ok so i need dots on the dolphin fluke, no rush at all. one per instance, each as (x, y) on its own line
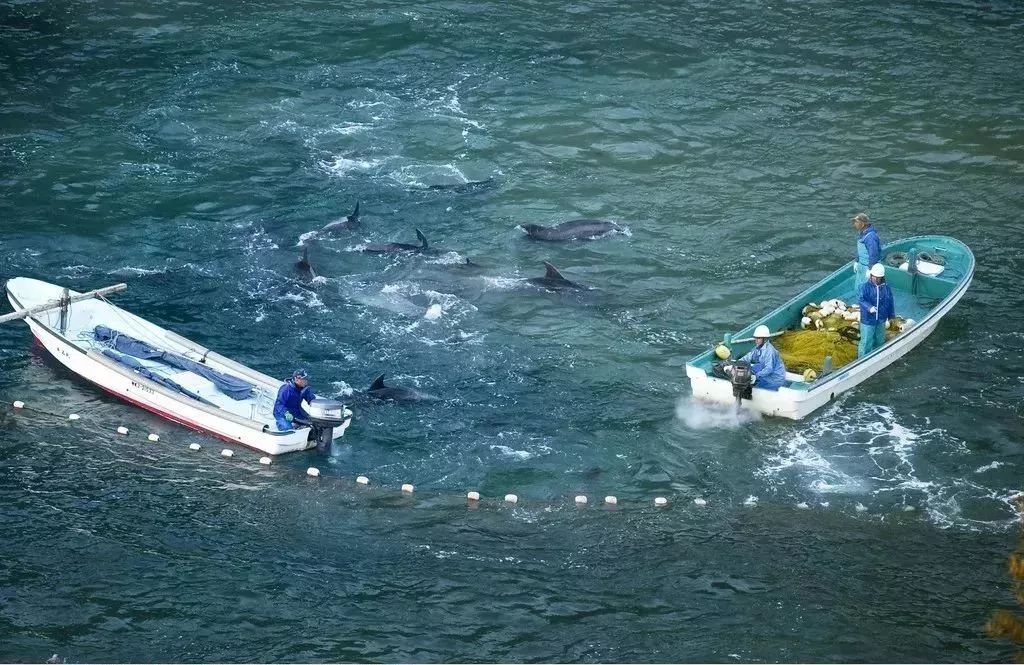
(422, 238)
(378, 383)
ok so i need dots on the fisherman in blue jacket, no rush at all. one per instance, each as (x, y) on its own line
(876, 308)
(289, 400)
(765, 361)
(869, 248)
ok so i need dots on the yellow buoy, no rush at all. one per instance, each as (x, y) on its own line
(723, 352)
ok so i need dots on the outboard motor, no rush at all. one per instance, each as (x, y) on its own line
(324, 416)
(742, 381)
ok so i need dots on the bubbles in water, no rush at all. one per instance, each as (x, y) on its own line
(700, 415)
(865, 451)
(341, 165)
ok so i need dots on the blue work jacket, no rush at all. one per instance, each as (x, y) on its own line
(767, 366)
(289, 400)
(880, 297)
(869, 247)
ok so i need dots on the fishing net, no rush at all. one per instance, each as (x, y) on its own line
(830, 329)
(806, 349)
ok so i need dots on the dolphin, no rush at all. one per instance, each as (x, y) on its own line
(303, 267)
(346, 223)
(378, 390)
(553, 279)
(576, 229)
(393, 247)
(468, 186)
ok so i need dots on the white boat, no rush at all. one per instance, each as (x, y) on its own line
(944, 270)
(189, 398)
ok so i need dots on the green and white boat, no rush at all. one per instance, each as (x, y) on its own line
(943, 268)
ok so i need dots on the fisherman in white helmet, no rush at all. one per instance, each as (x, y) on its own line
(765, 361)
(876, 308)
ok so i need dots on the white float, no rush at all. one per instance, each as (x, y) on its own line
(265, 461)
(363, 480)
(581, 500)
(473, 496)
(313, 471)
(407, 487)
(18, 404)
(154, 437)
(700, 502)
(511, 498)
(611, 500)
(74, 416)
(660, 501)
(226, 453)
(194, 446)
(122, 430)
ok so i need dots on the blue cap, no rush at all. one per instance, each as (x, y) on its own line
(300, 374)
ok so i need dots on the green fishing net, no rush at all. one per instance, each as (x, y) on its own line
(806, 349)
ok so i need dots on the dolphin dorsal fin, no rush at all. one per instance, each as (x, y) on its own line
(423, 238)
(355, 213)
(378, 383)
(305, 255)
(552, 272)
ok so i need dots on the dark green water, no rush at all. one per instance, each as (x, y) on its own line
(186, 147)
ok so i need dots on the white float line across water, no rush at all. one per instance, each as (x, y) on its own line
(473, 497)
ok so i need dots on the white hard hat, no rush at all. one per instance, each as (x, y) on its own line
(762, 332)
(878, 270)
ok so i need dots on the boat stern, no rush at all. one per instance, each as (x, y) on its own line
(782, 403)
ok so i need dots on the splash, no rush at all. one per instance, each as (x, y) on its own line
(700, 415)
(308, 235)
(451, 258)
(342, 165)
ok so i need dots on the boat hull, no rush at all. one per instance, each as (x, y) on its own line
(798, 404)
(799, 399)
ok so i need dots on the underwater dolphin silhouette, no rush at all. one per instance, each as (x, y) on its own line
(469, 185)
(576, 229)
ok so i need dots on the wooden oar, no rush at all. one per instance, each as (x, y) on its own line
(61, 302)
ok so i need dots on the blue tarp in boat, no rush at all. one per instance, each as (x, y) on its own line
(142, 370)
(232, 386)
